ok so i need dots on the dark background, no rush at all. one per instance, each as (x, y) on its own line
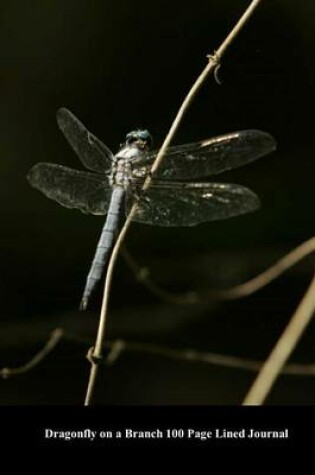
(119, 65)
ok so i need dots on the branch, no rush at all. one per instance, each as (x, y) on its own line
(142, 274)
(52, 342)
(117, 347)
(283, 349)
(191, 355)
(213, 62)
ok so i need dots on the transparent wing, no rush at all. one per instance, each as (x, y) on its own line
(92, 152)
(188, 204)
(209, 157)
(85, 191)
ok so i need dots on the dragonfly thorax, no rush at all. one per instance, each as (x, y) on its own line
(121, 172)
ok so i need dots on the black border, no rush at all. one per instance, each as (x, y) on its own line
(26, 426)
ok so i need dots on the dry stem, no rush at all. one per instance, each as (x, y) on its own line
(50, 345)
(212, 65)
(118, 347)
(283, 349)
(239, 291)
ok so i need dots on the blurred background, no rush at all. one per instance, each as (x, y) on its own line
(119, 65)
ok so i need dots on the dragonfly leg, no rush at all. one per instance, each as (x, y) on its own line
(83, 304)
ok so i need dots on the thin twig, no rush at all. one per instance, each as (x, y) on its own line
(117, 347)
(192, 355)
(51, 344)
(142, 274)
(283, 349)
(213, 62)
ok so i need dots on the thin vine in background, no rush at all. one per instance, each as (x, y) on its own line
(290, 337)
(95, 354)
(283, 349)
(50, 345)
(193, 297)
(117, 348)
(270, 370)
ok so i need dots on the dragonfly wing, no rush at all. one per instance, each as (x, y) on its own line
(92, 152)
(71, 188)
(188, 204)
(209, 157)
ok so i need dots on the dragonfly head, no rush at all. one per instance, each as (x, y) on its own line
(140, 138)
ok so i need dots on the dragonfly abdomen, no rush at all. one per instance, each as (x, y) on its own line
(104, 244)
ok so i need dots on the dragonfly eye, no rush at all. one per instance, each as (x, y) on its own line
(130, 138)
(143, 137)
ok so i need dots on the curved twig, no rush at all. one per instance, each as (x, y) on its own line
(192, 355)
(117, 347)
(142, 274)
(212, 64)
(50, 345)
(283, 349)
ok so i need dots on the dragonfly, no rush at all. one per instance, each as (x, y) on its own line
(114, 182)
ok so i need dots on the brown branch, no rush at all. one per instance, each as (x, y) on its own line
(283, 349)
(213, 62)
(191, 355)
(142, 274)
(117, 347)
(50, 345)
